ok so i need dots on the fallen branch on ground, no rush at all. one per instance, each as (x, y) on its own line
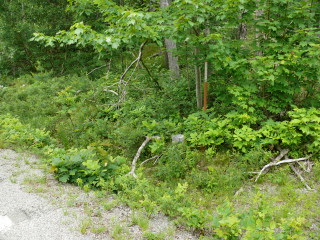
(282, 153)
(136, 157)
(300, 177)
(307, 166)
(280, 162)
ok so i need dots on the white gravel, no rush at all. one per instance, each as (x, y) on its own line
(34, 206)
(33, 217)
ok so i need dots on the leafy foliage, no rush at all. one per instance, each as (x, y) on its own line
(13, 132)
(300, 130)
(82, 166)
(73, 80)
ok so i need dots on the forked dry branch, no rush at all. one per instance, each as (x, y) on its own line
(276, 162)
(136, 157)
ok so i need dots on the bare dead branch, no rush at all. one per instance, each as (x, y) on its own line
(122, 84)
(280, 162)
(109, 90)
(136, 157)
(97, 68)
(300, 177)
(306, 166)
(156, 157)
(136, 60)
(283, 152)
(156, 54)
(109, 68)
(143, 65)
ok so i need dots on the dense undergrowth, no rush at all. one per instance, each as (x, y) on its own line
(205, 183)
(84, 89)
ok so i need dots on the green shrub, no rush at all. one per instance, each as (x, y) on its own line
(175, 163)
(13, 132)
(255, 224)
(301, 134)
(82, 166)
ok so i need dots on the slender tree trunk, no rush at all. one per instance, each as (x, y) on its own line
(198, 82)
(258, 13)
(242, 28)
(205, 87)
(242, 31)
(171, 46)
(198, 87)
(187, 67)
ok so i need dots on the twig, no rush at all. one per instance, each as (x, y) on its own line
(299, 175)
(282, 153)
(307, 167)
(149, 159)
(97, 68)
(109, 68)
(150, 75)
(109, 90)
(112, 85)
(157, 159)
(280, 162)
(136, 60)
(142, 64)
(136, 157)
(122, 83)
(156, 54)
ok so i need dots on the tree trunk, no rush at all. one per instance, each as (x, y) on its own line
(205, 87)
(258, 13)
(242, 31)
(198, 82)
(170, 47)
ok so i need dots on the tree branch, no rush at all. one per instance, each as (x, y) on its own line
(122, 84)
(136, 60)
(280, 162)
(136, 157)
(97, 68)
(299, 175)
(156, 157)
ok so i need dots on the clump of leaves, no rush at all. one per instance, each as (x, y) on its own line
(12, 131)
(82, 166)
(257, 223)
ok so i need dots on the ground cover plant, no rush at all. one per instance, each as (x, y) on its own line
(248, 167)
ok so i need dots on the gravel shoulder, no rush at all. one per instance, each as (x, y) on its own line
(34, 206)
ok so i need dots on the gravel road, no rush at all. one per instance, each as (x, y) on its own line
(34, 206)
(25, 215)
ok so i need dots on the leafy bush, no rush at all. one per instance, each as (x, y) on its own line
(175, 163)
(70, 107)
(255, 224)
(300, 134)
(82, 166)
(12, 131)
